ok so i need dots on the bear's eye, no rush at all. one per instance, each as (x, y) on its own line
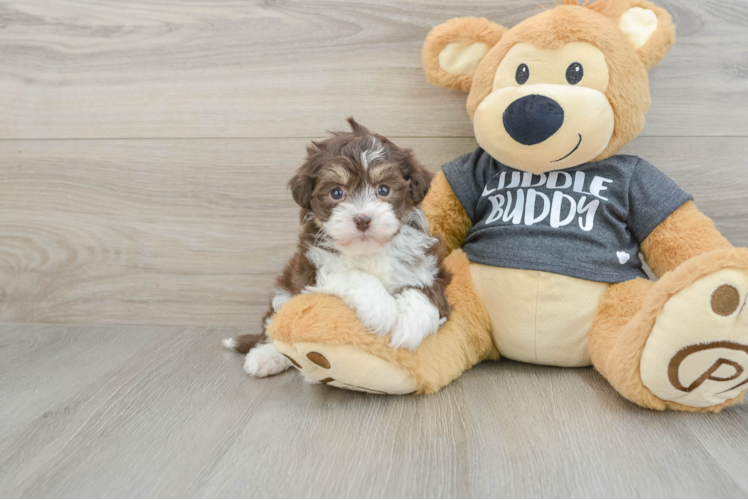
(574, 73)
(337, 194)
(383, 191)
(523, 73)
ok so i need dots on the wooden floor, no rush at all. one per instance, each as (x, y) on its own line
(130, 411)
(144, 151)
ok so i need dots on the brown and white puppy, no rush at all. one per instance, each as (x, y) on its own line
(364, 239)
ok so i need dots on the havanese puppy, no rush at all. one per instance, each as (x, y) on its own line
(365, 239)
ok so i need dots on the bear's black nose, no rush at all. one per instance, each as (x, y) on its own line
(532, 119)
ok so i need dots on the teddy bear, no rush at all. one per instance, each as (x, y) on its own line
(546, 223)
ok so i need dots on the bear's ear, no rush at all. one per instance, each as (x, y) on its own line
(649, 28)
(453, 50)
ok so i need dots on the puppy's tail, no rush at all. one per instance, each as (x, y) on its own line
(243, 343)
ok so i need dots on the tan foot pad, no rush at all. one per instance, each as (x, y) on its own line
(697, 353)
(347, 368)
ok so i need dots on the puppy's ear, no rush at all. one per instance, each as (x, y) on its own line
(420, 180)
(302, 187)
(303, 182)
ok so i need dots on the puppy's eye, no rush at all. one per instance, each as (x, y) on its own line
(383, 191)
(337, 194)
(523, 73)
(574, 73)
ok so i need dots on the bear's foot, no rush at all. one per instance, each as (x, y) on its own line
(325, 340)
(697, 352)
(346, 367)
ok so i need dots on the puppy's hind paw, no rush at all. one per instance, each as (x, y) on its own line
(264, 360)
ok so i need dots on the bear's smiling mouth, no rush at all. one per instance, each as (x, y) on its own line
(572, 151)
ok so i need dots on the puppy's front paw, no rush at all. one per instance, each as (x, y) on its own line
(264, 360)
(378, 315)
(417, 317)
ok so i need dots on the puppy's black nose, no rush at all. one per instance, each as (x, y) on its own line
(362, 222)
(532, 119)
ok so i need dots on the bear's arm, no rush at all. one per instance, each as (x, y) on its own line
(686, 233)
(445, 214)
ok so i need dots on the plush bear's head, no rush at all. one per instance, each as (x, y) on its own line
(564, 87)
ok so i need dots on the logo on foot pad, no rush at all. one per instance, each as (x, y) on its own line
(711, 373)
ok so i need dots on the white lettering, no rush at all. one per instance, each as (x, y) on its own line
(502, 178)
(590, 208)
(527, 180)
(553, 180)
(558, 201)
(516, 214)
(530, 218)
(497, 209)
(515, 180)
(579, 182)
(524, 193)
(487, 191)
(597, 185)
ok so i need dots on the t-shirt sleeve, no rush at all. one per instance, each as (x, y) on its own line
(466, 176)
(652, 198)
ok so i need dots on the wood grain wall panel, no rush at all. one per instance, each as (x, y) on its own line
(193, 232)
(158, 68)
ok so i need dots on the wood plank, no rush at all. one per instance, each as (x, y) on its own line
(565, 433)
(166, 412)
(175, 232)
(156, 68)
(43, 366)
(182, 419)
(153, 232)
(722, 437)
(127, 423)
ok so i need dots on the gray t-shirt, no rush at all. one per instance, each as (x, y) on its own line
(586, 222)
